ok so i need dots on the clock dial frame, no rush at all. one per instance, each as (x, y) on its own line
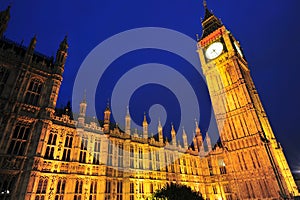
(214, 50)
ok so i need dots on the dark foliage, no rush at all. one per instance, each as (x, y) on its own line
(174, 191)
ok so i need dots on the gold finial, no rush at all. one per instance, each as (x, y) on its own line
(145, 118)
(196, 122)
(159, 123)
(205, 4)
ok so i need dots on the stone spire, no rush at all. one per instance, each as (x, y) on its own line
(184, 138)
(32, 45)
(4, 19)
(160, 132)
(61, 56)
(107, 113)
(173, 135)
(208, 142)
(127, 121)
(210, 22)
(30, 50)
(199, 138)
(145, 127)
(205, 4)
(197, 129)
(82, 110)
(195, 143)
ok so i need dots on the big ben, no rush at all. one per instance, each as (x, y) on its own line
(255, 157)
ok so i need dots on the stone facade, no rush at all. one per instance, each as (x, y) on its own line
(45, 154)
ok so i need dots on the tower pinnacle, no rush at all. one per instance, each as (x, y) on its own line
(127, 121)
(84, 97)
(145, 127)
(205, 4)
(4, 19)
(210, 22)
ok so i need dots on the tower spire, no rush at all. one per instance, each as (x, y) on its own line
(127, 121)
(205, 4)
(145, 127)
(145, 118)
(106, 118)
(160, 131)
(4, 19)
(82, 111)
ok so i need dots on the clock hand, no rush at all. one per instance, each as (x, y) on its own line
(215, 51)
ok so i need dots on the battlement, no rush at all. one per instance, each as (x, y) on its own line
(19, 51)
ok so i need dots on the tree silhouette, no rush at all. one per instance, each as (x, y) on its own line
(175, 191)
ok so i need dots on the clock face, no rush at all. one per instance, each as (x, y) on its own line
(214, 50)
(238, 49)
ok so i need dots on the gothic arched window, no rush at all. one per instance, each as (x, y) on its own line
(33, 92)
(60, 189)
(17, 145)
(41, 189)
(78, 190)
(93, 190)
(67, 149)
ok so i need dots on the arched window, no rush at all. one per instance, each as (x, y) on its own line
(17, 145)
(93, 190)
(108, 190)
(119, 190)
(67, 149)
(49, 154)
(54, 140)
(132, 157)
(83, 150)
(50, 138)
(33, 92)
(78, 190)
(60, 189)
(41, 189)
(97, 147)
(67, 142)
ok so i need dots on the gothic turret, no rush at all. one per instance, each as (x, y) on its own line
(173, 135)
(195, 143)
(145, 127)
(127, 122)
(82, 111)
(160, 132)
(184, 138)
(107, 113)
(30, 50)
(32, 45)
(208, 142)
(199, 138)
(4, 19)
(61, 56)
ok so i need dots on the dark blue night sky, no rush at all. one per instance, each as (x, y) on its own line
(267, 30)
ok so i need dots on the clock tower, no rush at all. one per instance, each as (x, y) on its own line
(255, 158)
